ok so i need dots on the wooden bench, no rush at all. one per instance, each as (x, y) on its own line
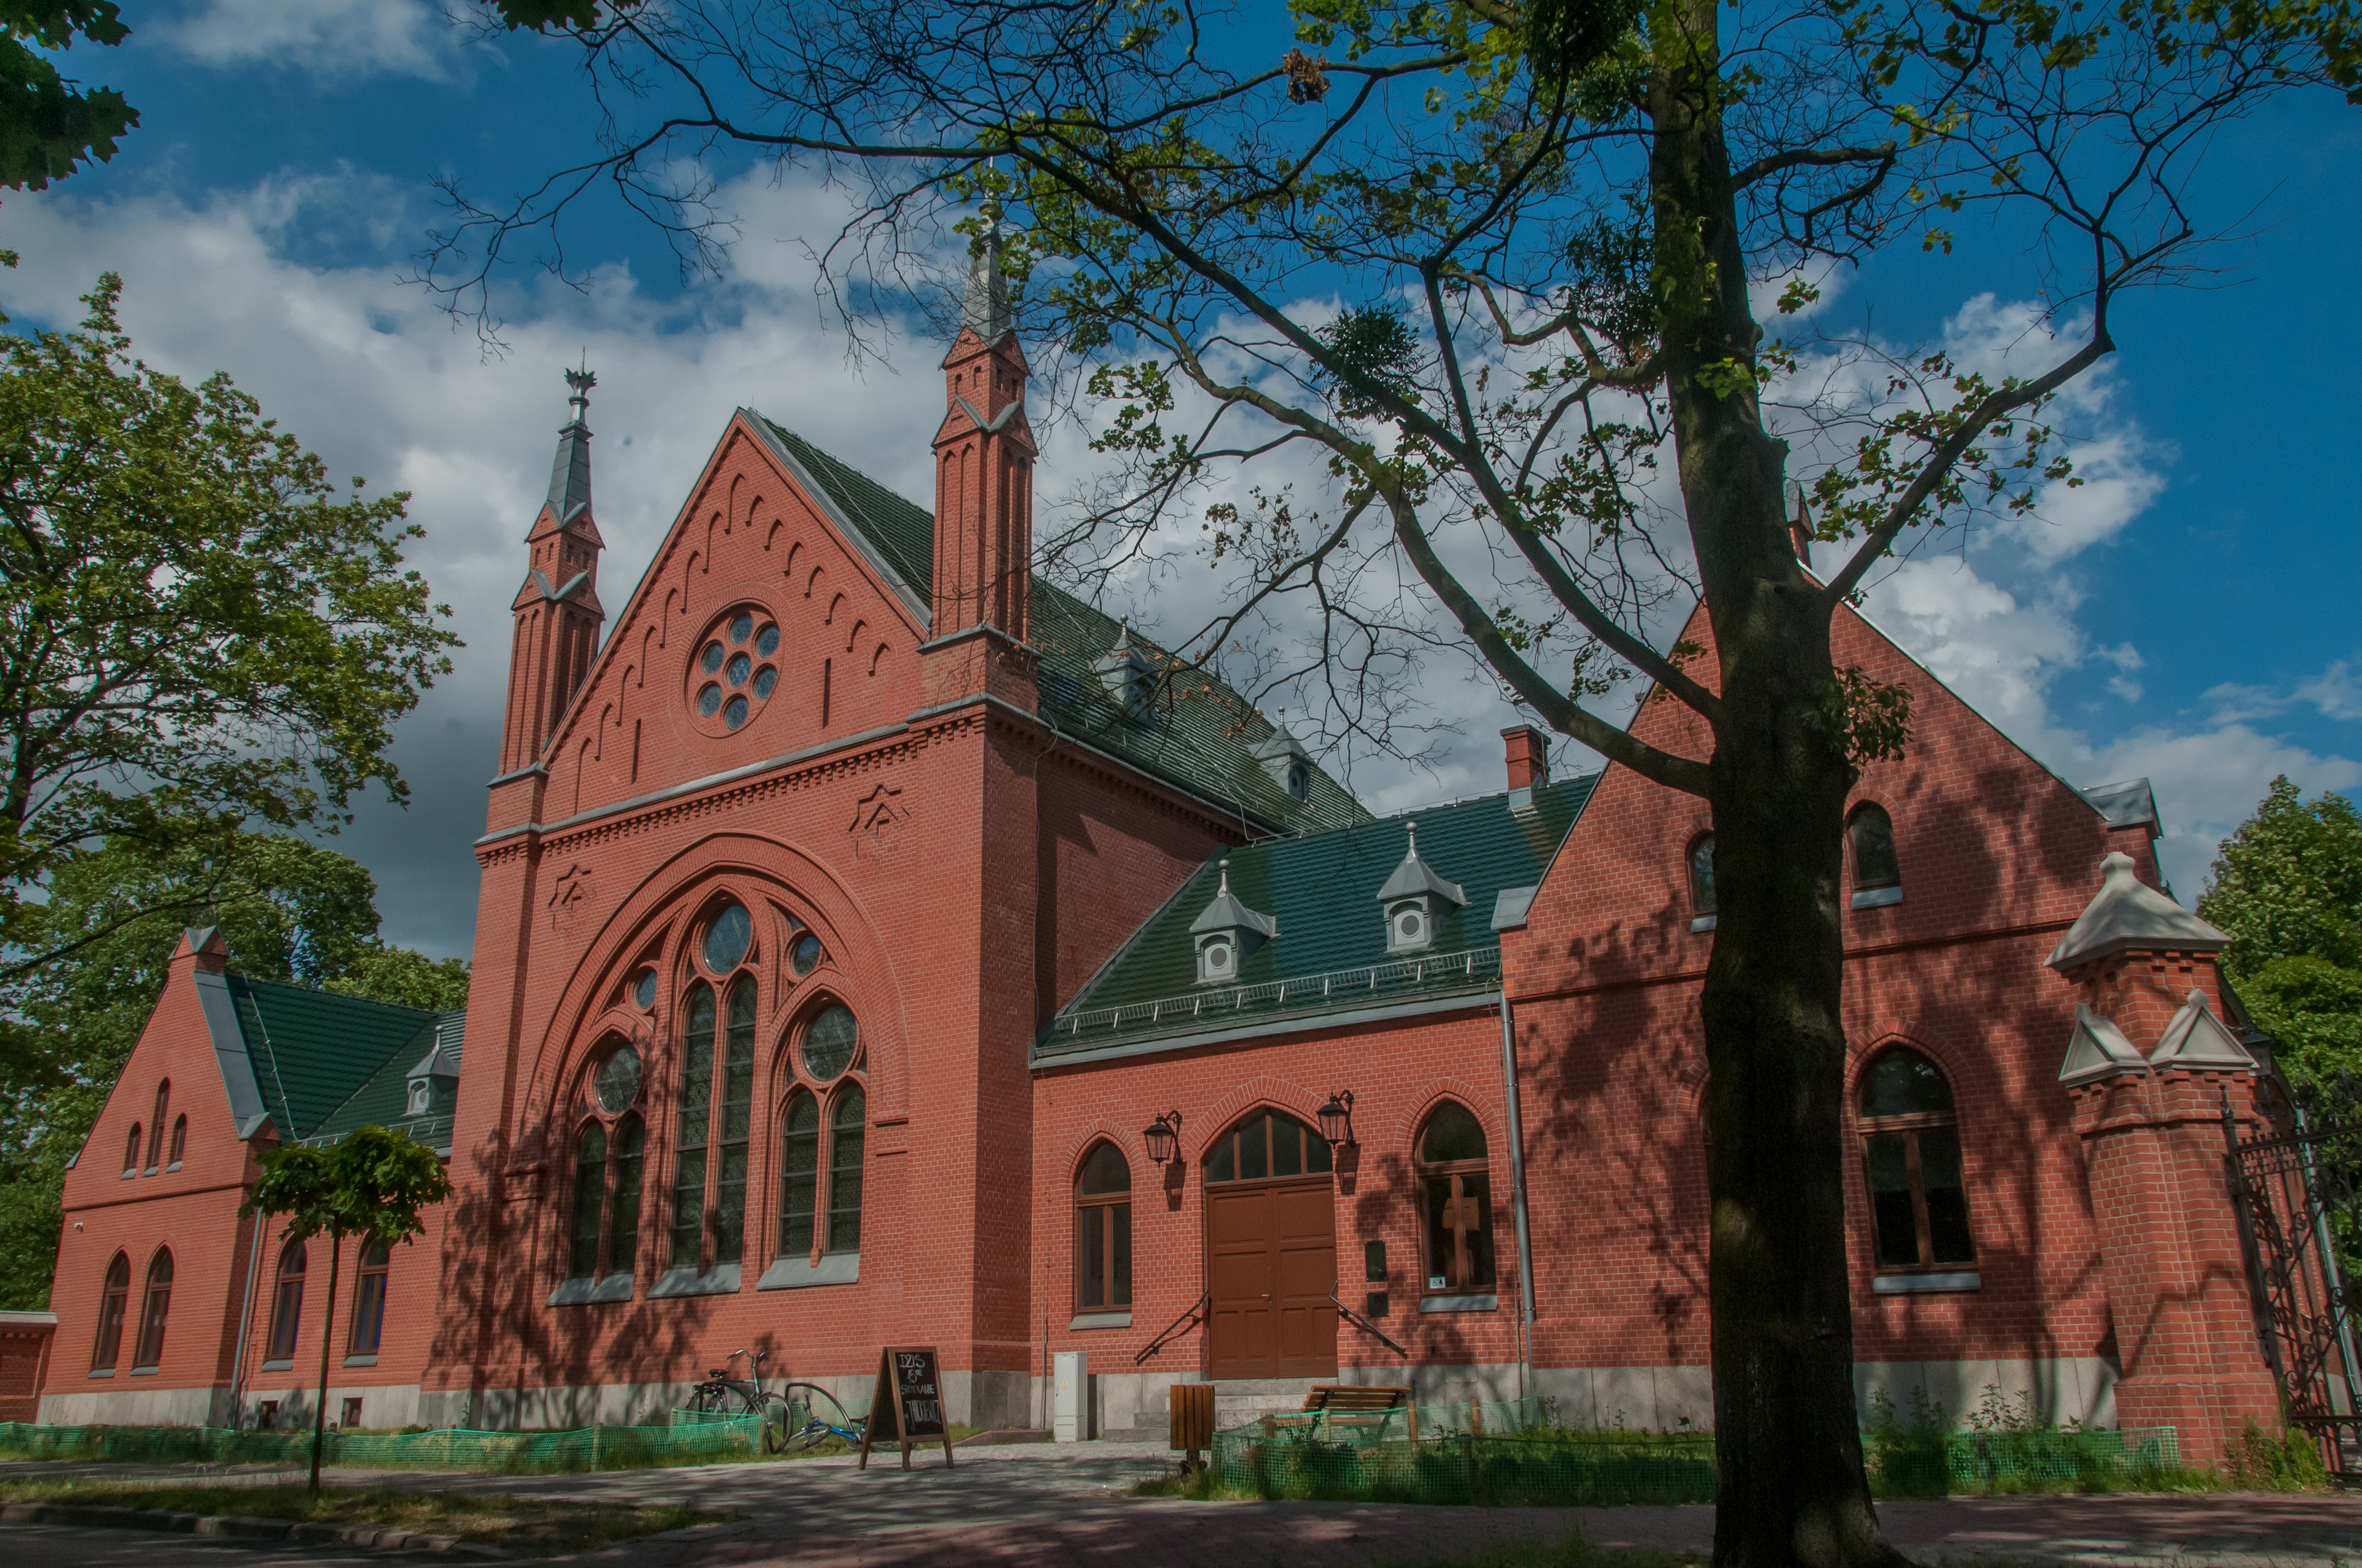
(1360, 1406)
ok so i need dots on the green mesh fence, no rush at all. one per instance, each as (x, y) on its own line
(687, 1439)
(1501, 1453)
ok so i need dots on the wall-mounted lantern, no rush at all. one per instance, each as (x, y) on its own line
(1163, 1137)
(1337, 1119)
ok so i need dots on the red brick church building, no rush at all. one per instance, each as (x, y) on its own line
(880, 945)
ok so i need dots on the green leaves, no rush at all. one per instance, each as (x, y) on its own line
(1864, 720)
(2288, 884)
(197, 629)
(48, 124)
(372, 1184)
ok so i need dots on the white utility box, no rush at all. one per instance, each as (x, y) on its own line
(1070, 1415)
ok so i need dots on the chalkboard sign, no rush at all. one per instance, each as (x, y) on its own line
(907, 1404)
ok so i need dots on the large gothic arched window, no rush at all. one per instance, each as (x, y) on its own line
(823, 1123)
(714, 1118)
(610, 1146)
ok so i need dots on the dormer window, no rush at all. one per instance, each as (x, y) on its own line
(1128, 676)
(1416, 900)
(1283, 756)
(422, 1097)
(1227, 933)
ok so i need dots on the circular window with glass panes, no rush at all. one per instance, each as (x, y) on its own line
(734, 670)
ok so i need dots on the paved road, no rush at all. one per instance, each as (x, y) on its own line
(1067, 1507)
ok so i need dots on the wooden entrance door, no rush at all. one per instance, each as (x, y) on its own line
(1271, 1256)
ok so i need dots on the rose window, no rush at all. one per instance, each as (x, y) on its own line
(734, 672)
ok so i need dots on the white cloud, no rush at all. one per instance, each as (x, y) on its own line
(366, 371)
(327, 38)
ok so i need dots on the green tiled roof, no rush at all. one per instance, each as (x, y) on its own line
(1203, 739)
(383, 1098)
(1322, 888)
(313, 1050)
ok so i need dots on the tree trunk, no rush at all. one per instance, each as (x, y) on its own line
(328, 1333)
(1792, 1487)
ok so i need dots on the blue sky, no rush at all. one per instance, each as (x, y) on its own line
(2188, 617)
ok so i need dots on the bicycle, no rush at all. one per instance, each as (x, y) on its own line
(816, 1427)
(724, 1397)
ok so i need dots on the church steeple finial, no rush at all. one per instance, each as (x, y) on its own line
(985, 309)
(570, 475)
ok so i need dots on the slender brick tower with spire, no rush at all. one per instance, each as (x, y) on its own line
(984, 503)
(558, 610)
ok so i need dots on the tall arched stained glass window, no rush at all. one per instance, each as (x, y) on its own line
(693, 1118)
(798, 1174)
(628, 1158)
(590, 1201)
(737, 1114)
(848, 1115)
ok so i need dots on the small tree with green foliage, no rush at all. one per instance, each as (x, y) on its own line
(372, 1185)
(2287, 890)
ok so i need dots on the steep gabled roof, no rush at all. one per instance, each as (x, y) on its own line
(312, 1051)
(1204, 741)
(383, 1098)
(1321, 888)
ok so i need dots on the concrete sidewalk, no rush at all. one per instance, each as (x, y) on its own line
(1069, 1506)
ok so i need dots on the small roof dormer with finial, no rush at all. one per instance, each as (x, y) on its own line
(1227, 934)
(1414, 900)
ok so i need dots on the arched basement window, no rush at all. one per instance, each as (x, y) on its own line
(1103, 1231)
(1911, 1154)
(1456, 1199)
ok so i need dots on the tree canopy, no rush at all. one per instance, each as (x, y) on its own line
(50, 123)
(2286, 889)
(200, 631)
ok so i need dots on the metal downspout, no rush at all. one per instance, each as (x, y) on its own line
(1518, 1191)
(245, 1326)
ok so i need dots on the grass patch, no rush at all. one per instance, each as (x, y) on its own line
(536, 1527)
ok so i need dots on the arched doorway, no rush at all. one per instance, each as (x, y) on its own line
(1271, 1251)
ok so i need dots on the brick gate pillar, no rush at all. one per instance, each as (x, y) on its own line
(2154, 1162)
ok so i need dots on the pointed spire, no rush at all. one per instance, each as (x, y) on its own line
(570, 476)
(985, 311)
(1415, 878)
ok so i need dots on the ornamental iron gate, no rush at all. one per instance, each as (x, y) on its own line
(2296, 1193)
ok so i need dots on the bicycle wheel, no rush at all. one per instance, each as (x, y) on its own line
(710, 1400)
(776, 1419)
(821, 1412)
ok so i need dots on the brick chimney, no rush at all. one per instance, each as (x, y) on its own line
(1528, 759)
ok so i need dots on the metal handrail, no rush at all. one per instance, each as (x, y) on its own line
(1337, 987)
(1363, 1323)
(1189, 1320)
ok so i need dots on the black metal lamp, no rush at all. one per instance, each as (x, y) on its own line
(1337, 1119)
(1163, 1137)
